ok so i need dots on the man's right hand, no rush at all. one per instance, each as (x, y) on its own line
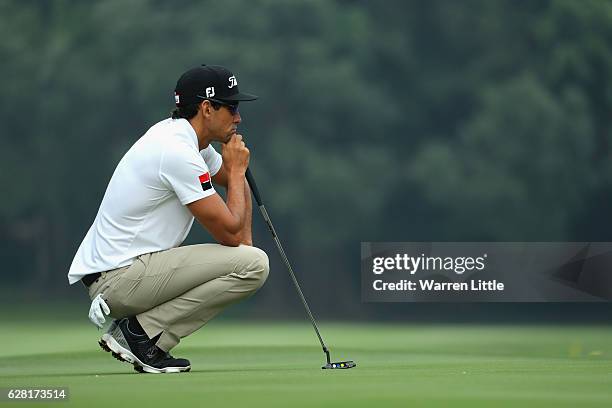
(235, 155)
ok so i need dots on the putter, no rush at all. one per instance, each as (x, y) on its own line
(264, 213)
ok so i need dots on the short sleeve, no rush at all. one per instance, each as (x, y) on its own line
(212, 159)
(186, 173)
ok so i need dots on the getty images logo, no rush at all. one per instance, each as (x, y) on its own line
(232, 81)
(413, 264)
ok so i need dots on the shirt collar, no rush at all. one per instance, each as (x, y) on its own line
(193, 137)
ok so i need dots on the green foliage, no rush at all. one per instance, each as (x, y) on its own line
(404, 120)
(519, 169)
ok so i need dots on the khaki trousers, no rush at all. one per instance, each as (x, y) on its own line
(175, 292)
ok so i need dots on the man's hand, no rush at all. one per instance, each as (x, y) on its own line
(97, 311)
(235, 155)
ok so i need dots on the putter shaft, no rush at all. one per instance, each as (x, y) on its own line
(264, 213)
(266, 217)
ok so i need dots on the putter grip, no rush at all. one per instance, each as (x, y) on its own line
(251, 181)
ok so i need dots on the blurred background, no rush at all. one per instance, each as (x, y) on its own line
(470, 120)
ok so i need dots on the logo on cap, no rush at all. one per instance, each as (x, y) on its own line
(210, 91)
(232, 81)
(177, 99)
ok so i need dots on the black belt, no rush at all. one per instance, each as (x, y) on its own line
(88, 280)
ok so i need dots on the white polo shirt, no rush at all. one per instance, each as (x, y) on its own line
(143, 209)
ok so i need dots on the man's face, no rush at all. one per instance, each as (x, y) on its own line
(224, 123)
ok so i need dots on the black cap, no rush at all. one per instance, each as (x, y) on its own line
(208, 81)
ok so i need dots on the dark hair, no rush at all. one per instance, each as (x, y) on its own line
(189, 111)
(185, 112)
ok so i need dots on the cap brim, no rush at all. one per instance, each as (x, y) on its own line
(240, 97)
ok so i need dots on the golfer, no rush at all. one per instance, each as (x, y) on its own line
(130, 260)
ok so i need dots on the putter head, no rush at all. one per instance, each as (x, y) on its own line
(339, 365)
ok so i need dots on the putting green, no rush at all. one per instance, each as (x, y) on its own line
(279, 364)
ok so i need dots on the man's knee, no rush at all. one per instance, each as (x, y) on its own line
(257, 267)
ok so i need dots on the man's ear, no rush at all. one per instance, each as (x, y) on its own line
(205, 108)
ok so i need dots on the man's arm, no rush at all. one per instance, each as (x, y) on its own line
(226, 222)
(246, 235)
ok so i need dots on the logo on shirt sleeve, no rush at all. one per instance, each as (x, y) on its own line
(205, 181)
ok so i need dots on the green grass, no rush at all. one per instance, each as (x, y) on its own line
(278, 364)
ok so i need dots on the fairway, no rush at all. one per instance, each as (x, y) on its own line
(279, 364)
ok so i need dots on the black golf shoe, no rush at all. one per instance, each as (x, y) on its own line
(140, 350)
